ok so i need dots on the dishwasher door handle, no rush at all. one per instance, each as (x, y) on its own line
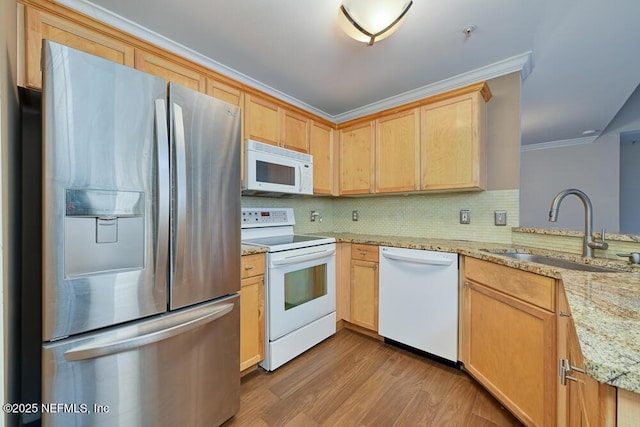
(425, 261)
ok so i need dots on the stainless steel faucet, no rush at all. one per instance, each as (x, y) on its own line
(589, 243)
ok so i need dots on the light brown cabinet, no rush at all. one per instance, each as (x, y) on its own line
(261, 120)
(270, 123)
(170, 70)
(364, 286)
(251, 311)
(295, 131)
(224, 92)
(397, 164)
(356, 159)
(322, 148)
(582, 400)
(508, 338)
(437, 146)
(453, 153)
(39, 25)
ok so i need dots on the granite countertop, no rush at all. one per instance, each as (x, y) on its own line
(250, 249)
(605, 306)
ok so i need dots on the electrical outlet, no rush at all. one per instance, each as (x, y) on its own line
(354, 215)
(465, 216)
(500, 217)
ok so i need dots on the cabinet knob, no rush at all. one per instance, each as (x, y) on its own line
(363, 253)
(248, 267)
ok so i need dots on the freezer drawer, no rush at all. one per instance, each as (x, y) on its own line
(176, 369)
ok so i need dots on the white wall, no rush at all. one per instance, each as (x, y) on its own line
(593, 168)
(630, 186)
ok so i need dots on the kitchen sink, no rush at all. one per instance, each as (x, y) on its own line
(555, 262)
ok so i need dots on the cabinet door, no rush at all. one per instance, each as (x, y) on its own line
(321, 147)
(170, 70)
(511, 351)
(224, 92)
(356, 159)
(41, 25)
(251, 321)
(261, 120)
(452, 144)
(295, 131)
(582, 401)
(398, 152)
(364, 294)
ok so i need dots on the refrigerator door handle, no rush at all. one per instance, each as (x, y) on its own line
(162, 142)
(181, 189)
(105, 348)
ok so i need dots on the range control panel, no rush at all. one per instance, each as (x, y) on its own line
(267, 217)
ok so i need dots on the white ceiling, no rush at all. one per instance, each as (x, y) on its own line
(585, 53)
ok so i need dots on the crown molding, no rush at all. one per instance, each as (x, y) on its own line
(558, 144)
(522, 63)
(123, 24)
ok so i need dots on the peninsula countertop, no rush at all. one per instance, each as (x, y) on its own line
(605, 306)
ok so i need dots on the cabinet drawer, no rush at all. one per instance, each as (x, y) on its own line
(529, 287)
(252, 265)
(364, 252)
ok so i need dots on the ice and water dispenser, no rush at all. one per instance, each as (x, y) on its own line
(103, 231)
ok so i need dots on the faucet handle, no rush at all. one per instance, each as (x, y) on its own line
(602, 244)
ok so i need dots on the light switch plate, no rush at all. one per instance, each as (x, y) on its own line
(465, 216)
(500, 217)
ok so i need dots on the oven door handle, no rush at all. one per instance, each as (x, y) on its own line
(302, 258)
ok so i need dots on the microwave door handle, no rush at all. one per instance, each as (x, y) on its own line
(162, 192)
(181, 191)
(300, 176)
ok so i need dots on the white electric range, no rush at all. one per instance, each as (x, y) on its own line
(300, 287)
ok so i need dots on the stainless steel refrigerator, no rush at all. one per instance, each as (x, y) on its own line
(141, 242)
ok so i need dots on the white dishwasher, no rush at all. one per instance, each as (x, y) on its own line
(418, 300)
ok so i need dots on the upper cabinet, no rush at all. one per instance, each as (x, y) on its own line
(271, 123)
(261, 120)
(322, 148)
(397, 163)
(171, 70)
(224, 92)
(295, 131)
(356, 159)
(452, 153)
(435, 144)
(39, 25)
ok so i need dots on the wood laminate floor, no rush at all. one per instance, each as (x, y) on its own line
(353, 380)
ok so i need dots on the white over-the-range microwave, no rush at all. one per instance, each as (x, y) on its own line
(275, 170)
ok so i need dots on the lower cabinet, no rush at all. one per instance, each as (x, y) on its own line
(252, 311)
(364, 286)
(508, 340)
(582, 400)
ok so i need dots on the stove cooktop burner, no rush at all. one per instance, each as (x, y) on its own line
(273, 228)
(282, 240)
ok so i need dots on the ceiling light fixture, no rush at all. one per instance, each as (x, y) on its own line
(369, 21)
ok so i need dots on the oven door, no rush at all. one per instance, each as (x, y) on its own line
(301, 288)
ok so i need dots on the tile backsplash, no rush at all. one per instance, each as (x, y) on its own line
(422, 215)
(436, 216)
